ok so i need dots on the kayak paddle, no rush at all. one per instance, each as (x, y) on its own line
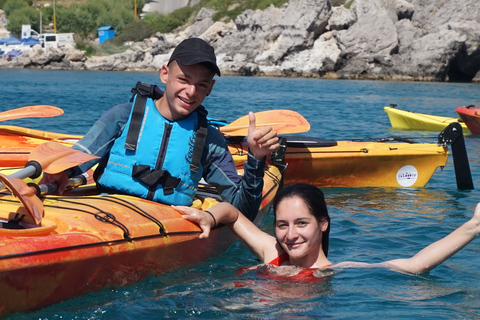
(51, 157)
(32, 203)
(49, 188)
(39, 111)
(28, 196)
(38, 134)
(282, 121)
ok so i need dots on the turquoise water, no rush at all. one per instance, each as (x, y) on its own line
(368, 224)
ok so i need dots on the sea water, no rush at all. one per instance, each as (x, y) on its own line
(368, 224)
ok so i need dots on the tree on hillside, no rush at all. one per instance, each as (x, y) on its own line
(13, 5)
(23, 14)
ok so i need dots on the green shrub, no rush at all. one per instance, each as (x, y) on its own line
(25, 15)
(162, 23)
(2, 3)
(183, 14)
(13, 5)
(264, 4)
(232, 8)
(109, 47)
(136, 30)
(89, 49)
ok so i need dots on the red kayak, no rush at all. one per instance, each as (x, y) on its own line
(471, 117)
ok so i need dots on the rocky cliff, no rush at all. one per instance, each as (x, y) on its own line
(426, 40)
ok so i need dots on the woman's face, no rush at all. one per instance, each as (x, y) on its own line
(298, 232)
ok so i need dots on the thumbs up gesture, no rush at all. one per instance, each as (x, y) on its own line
(263, 141)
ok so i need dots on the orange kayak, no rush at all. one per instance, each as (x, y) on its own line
(471, 117)
(17, 142)
(88, 242)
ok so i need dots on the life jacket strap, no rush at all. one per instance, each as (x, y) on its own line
(142, 91)
(200, 139)
(152, 178)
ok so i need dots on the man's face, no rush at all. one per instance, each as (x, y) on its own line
(185, 88)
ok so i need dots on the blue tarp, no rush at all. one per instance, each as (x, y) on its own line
(13, 53)
(11, 40)
(30, 41)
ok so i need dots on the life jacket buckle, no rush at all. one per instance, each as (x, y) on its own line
(151, 177)
(144, 89)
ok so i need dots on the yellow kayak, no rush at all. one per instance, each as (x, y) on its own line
(419, 121)
(331, 163)
(325, 163)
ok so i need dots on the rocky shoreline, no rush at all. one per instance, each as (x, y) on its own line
(414, 40)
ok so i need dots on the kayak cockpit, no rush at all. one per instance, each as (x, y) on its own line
(14, 226)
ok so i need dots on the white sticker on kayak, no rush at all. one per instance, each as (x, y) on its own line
(407, 176)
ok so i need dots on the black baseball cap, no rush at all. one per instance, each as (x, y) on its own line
(193, 51)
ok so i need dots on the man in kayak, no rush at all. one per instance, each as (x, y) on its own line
(159, 146)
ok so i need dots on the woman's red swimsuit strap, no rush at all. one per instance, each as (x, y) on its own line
(281, 259)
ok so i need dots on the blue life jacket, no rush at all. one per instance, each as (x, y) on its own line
(155, 158)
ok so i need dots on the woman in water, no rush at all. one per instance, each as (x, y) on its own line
(302, 227)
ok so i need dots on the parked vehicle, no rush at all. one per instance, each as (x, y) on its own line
(56, 40)
(28, 32)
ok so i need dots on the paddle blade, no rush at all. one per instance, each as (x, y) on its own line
(282, 121)
(40, 111)
(25, 194)
(55, 157)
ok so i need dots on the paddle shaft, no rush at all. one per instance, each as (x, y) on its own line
(46, 188)
(26, 172)
(49, 188)
(32, 170)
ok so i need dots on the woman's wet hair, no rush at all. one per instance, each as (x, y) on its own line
(315, 201)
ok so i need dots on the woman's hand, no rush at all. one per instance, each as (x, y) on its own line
(205, 220)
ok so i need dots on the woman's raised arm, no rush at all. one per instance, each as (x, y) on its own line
(439, 251)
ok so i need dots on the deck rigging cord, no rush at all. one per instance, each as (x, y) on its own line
(104, 217)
